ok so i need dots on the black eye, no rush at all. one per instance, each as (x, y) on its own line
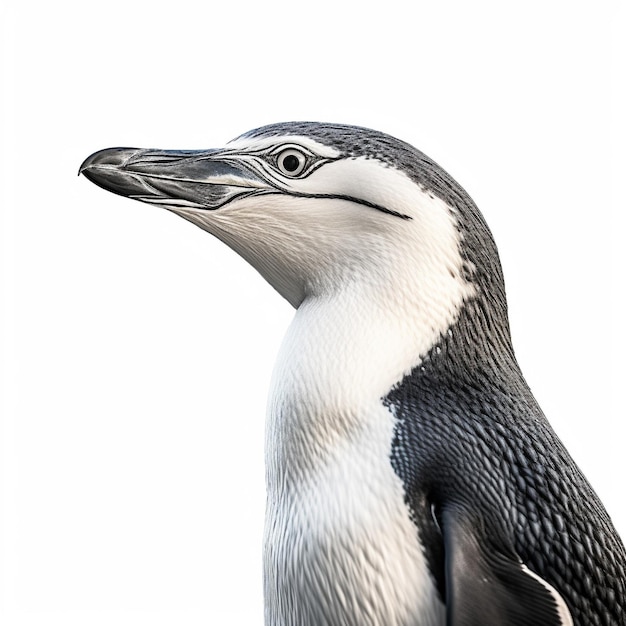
(291, 162)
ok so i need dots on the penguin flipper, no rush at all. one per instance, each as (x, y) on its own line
(487, 587)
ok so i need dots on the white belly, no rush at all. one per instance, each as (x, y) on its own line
(340, 548)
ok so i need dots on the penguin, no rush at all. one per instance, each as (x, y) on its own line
(412, 478)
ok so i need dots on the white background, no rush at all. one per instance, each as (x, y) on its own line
(137, 350)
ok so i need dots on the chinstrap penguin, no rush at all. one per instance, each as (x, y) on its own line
(412, 479)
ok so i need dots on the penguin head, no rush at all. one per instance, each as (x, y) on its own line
(319, 209)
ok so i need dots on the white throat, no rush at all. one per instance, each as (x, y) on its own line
(345, 349)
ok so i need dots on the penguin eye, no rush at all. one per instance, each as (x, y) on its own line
(291, 162)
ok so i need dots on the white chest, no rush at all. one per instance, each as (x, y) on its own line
(340, 548)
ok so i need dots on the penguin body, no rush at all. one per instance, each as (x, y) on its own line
(412, 479)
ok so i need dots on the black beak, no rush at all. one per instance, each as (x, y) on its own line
(183, 179)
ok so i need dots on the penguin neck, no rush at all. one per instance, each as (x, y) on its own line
(341, 355)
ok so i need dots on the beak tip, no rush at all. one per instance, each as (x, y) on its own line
(106, 169)
(113, 157)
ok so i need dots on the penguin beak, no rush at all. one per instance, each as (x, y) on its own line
(173, 179)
